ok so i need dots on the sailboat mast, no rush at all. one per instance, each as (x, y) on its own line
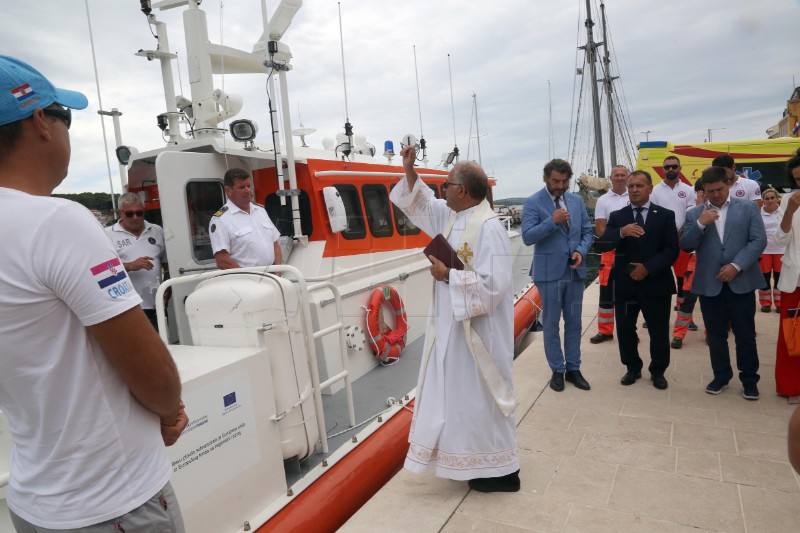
(607, 84)
(591, 50)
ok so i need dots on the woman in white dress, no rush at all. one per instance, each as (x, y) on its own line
(771, 259)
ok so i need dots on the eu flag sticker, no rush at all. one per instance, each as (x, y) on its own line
(229, 399)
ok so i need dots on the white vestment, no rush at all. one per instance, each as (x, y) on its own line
(457, 424)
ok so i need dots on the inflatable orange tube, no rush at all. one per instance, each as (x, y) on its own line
(526, 309)
(331, 500)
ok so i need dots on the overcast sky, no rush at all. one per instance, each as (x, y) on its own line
(685, 66)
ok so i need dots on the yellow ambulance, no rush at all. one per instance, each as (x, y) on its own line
(761, 160)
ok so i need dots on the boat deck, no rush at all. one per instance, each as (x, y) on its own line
(622, 458)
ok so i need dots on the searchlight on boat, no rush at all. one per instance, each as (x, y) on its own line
(124, 153)
(244, 131)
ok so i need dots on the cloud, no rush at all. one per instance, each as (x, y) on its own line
(684, 66)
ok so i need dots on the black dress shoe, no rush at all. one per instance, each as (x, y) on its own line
(630, 377)
(601, 337)
(576, 378)
(659, 382)
(557, 382)
(507, 483)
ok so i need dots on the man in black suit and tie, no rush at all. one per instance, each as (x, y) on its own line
(646, 242)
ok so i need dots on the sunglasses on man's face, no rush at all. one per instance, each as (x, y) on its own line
(131, 214)
(671, 167)
(64, 113)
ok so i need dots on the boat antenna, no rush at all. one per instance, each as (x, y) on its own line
(452, 156)
(345, 147)
(419, 110)
(477, 127)
(100, 105)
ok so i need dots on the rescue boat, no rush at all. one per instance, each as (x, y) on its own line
(295, 422)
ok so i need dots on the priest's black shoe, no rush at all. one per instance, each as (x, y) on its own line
(576, 378)
(660, 382)
(507, 483)
(557, 381)
(630, 377)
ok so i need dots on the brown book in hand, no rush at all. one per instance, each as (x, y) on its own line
(441, 250)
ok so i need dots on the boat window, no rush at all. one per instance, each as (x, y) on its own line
(435, 190)
(404, 225)
(352, 207)
(379, 217)
(281, 216)
(203, 199)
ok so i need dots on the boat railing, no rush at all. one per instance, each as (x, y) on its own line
(308, 332)
(507, 221)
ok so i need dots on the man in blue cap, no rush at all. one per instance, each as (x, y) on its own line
(90, 392)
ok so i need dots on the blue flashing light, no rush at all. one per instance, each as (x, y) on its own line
(388, 148)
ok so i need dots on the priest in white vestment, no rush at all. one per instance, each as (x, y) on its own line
(463, 424)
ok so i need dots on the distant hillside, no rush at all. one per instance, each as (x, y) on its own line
(510, 201)
(100, 201)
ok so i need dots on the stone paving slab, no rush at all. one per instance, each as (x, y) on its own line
(620, 459)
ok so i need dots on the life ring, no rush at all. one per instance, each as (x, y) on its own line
(386, 343)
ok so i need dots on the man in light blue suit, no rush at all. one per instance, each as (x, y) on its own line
(728, 235)
(557, 223)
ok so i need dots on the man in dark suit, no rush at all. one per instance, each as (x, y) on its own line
(728, 235)
(557, 223)
(646, 242)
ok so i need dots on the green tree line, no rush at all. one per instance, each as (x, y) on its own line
(92, 200)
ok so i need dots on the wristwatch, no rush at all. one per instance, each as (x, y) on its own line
(447, 277)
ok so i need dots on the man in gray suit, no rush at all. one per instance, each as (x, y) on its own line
(729, 236)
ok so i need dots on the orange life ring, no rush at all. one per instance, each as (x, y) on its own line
(386, 343)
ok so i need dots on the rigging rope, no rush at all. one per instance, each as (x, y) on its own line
(100, 106)
(570, 146)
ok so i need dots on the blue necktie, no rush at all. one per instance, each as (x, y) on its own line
(564, 224)
(639, 217)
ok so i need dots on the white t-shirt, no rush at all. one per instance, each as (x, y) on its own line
(248, 237)
(771, 223)
(608, 203)
(85, 450)
(745, 189)
(679, 200)
(130, 248)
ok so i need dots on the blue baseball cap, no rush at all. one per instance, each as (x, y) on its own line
(23, 89)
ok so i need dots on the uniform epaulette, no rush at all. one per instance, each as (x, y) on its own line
(220, 211)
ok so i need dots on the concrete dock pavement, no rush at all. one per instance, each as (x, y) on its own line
(619, 459)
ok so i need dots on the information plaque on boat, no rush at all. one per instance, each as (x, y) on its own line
(441, 250)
